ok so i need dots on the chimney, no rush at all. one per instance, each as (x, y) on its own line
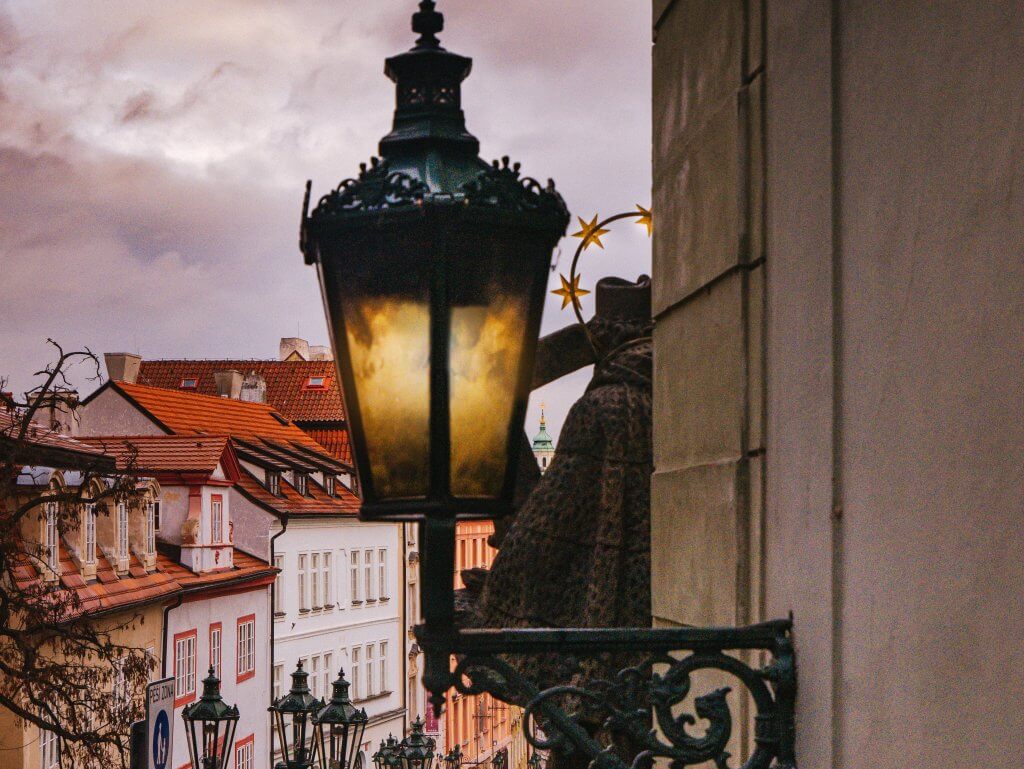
(292, 346)
(254, 388)
(320, 352)
(229, 383)
(122, 366)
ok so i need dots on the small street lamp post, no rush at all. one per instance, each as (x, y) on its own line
(453, 759)
(294, 712)
(210, 727)
(417, 750)
(339, 728)
(386, 756)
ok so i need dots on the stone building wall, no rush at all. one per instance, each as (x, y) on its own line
(839, 292)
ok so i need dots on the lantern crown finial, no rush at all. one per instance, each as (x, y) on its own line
(427, 22)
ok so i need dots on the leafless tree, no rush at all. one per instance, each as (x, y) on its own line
(62, 667)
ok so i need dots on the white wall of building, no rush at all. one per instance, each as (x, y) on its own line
(251, 695)
(353, 624)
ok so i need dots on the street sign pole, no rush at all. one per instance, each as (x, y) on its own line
(159, 723)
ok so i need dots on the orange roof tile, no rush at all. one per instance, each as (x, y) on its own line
(190, 413)
(46, 446)
(246, 567)
(335, 441)
(163, 453)
(290, 502)
(287, 389)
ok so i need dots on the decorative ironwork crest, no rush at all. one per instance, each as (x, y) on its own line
(376, 189)
(500, 186)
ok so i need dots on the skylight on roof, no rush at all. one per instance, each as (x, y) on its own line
(189, 383)
(316, 383)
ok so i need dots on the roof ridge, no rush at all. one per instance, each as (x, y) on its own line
(192, 394)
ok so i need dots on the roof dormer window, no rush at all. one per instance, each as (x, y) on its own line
(189, 383)
(316, 383)
(301, 483)
(274, 482)
(329, 487)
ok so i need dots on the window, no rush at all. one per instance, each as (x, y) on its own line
(384, 666)
(156, 515)
(89, 546)
(278, 672)
(52, 548)
(215, 648)
(150, 528)
(246, 647)
(371, 594)
(382, 573)
(371, 666)
(122, 531)
(216, 518)
(314, 675)
(328, 598)
(301, 483)
(274, 482)
(184, 667)
(411, 603)
(279, 586)
(354, 569)
(120, 698)
(329, 487)
(303, 579)
(357, 683)
(244, 752)
(314, 581)
(328, 667)
(49, 750)
(189, 383)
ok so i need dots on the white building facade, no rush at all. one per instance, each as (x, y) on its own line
(339, 606)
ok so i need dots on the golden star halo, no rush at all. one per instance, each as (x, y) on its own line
(570, 292)
(590, 232)
(644, 219)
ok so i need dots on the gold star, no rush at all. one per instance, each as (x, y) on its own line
(570, 292)
(590, 233)
(645, 218)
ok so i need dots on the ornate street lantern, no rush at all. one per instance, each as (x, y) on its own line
(453, 759)
(210, 727)
(293, 712)
(387, 756)
(433, 266)
(534, 761)
(339, 728)
(498, 762)
(417, 750)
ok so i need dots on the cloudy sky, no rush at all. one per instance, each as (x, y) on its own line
(153, 154)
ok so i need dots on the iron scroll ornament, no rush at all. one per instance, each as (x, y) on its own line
(646, 695)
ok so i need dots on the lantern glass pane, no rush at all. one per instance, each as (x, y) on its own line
(491, 293)
(385, 313)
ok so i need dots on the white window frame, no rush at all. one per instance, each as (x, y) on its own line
(279, 585)
(303, 572)
(122, 532)
(217, 650)
(327, 580)
(330, 485)
(314, 582)
(353, 560)
(277, 677)
(301, 483)
(89, 533)
(371, 594)
(244, 755)
(382, 573)
(185, 666)
(274, 482)
(314, 675)
(328, 668)
(51, 542)
(357, 678)
(216, 520)
(371, 667)
(150, 527)
(49, 750)
(246, 652)
(383, 666)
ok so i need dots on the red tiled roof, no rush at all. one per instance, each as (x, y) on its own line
(286, 383)
(111, 592)
(291, 502)
(335, 440)
(163, 453)
(186, 412)
(41, 444)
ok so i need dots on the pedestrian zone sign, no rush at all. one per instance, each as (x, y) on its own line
(159, 724)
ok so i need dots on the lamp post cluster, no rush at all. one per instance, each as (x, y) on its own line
(416, 751)
(311, 732)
